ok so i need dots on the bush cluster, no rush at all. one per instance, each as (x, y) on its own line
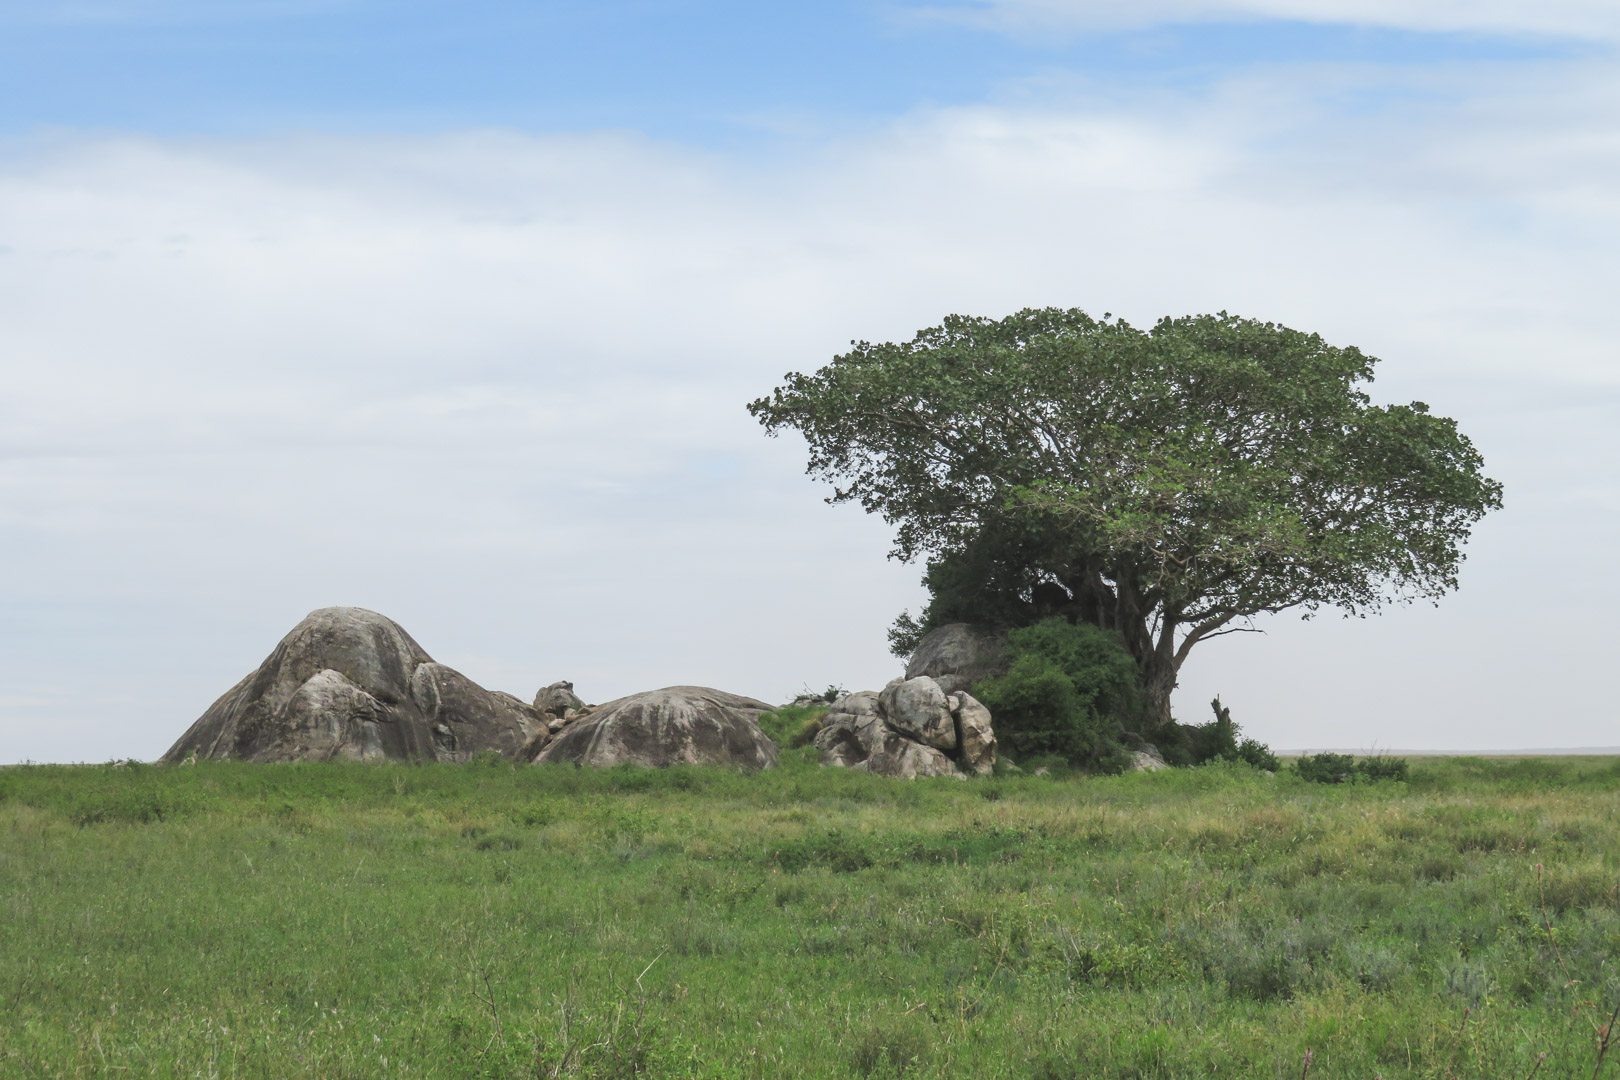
(1070, 691)
(1216, 740)
(1345, 769)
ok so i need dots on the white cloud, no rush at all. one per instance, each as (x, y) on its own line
(1580, 18)
(492, 385)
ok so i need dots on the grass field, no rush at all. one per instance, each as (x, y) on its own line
(227, 920)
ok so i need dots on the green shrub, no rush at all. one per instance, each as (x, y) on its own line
(1326, 768)
(1257, 754)
(498, 842)
(1216, 740)
(1345, 769)
(1069, 692)
(137, 807)
(833, 850)
(799, 757)
(793, 726)
(1383, 767)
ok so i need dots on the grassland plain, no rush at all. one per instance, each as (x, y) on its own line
(342, 921)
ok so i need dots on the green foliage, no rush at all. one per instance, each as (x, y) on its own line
(907, 633)
(1214, 740)
(1326, 768)
(1258, 755)
(833, 851)
(889, 1048)
(1383, 767)
(1069, 692)
(1346, 769)
(989, 579)
(793, 726)
(1164, 483)
(825, 697)
(360, 921)
(1037, 711)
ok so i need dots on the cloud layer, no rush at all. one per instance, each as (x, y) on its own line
(1576, 18)
(492, 384)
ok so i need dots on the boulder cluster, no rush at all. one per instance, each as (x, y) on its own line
(348, 683)
(910, 728)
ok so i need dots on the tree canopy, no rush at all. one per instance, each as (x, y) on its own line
(1167, 484)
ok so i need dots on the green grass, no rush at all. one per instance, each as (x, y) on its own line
(793, 726)
(334, 921)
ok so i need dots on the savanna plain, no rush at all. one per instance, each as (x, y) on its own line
(491, 920)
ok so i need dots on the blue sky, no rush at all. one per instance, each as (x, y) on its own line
(451, 311)
(714, 73)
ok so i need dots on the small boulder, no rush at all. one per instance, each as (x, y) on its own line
(860, 703)
(918, 708)
(1143, 755)
(557, 699)
(1146, 761)
(976, 738)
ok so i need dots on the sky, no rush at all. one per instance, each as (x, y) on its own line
(452, 312)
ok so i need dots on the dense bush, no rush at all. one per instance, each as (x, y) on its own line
(1345, 769)
(1216, 740)
(1070, 691)
(1326, 768)
(1383, 767)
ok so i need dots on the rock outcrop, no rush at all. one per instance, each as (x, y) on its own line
(350, 683)
(558, 699)
(678, 725)
(958, 655)
(909, 729)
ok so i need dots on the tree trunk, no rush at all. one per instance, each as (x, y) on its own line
(1119, 609)
(1158, 682)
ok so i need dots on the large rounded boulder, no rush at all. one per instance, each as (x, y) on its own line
(678, 725)
(350, 683)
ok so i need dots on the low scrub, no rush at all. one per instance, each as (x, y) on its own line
(1348, 769)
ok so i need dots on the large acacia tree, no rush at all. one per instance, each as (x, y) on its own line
(1168, 484)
